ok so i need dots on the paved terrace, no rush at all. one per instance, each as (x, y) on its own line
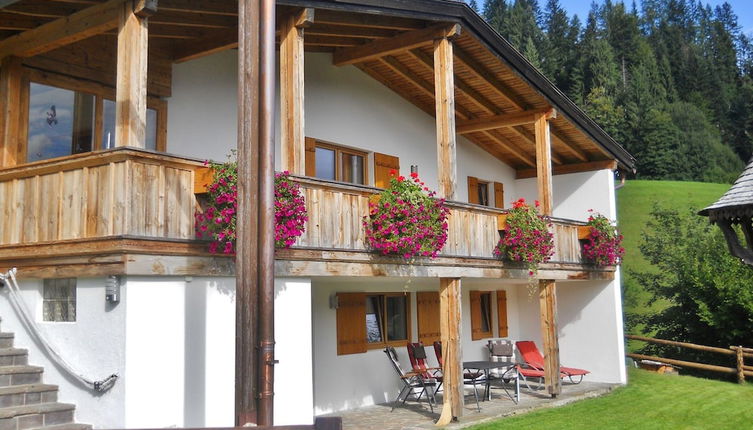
(412, 415)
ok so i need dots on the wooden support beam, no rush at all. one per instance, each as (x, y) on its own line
(336, 17)
(66, 30)
(11, 88)
(570, 168)
(130, 87)
(292, 91)
(450, 316)
(547, 291)
(428, 62)
(399, 43)
(504, 120)
(544, 163)
(444, 100)
(548, 313)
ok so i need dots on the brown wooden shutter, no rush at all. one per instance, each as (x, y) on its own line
(473, 190)
(499, 195)
(383, 164)
(502, 313)
(428, 316)
(351, 323)
(310, 157)
(476, 330)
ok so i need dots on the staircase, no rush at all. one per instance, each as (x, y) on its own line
(25, 402)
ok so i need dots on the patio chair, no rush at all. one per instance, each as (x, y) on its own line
(503, 351)
(469, 377)
(533, 358)
(414, 383)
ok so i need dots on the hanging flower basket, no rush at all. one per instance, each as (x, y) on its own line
(603, 244)
(406, 220)
(525, 237)
(217, 221)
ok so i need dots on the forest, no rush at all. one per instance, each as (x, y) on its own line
(672, 81)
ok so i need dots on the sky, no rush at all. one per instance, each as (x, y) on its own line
(742, 8)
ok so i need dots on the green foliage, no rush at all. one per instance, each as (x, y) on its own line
(644, 76)
(710, 293)
(649, 402)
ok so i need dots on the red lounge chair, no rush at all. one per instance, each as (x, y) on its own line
(533, 358)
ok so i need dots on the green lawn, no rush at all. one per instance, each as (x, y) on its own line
(634, 203)
(649, 401)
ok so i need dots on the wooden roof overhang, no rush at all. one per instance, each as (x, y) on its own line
(735, 207)
(497, 91)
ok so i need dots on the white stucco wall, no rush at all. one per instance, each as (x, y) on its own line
(94, 345)
(180, 361)
(575, 193)
(342, 105)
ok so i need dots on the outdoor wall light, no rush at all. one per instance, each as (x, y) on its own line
(112, 289)
(334, 303)
(414, 168)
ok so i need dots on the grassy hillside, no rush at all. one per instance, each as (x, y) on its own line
(649, 401)
(634, 203)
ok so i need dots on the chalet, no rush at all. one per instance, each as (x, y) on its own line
(108, 110)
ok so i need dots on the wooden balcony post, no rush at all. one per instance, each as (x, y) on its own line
(547, 288)
(449, 326)
(291, 91)
(11, 76)
(130, 88)
(247, 232)
(444, 96)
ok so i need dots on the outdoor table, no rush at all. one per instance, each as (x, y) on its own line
(486, 366)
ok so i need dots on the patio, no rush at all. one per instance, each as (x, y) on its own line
(418, 416)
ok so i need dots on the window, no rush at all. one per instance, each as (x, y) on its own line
(61, 122)
(336, 163)
(68, 117)
(374, 320)
(59, 300)
(481, 315)
(386, 319)
(479, 192)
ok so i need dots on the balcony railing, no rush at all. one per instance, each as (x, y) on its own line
(120, 192)
(129, 192)
(336, 214)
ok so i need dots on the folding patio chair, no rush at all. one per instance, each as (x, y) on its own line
(533, 358)
(469, 377)
(415, 384)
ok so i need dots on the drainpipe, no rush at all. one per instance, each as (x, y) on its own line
(266, 353)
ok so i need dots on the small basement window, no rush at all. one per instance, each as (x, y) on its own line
(59, 300)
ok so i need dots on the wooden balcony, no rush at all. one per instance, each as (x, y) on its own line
(334, 242)
(131, 211)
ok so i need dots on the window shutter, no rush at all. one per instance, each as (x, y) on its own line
(310, 157)
(502, 313)
(476, 330)
(428, 316)
(473, 190)
(383, 163)
(499, 195)
(351, 323)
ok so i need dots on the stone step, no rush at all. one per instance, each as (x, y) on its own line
(20, 375)
(69, 426)
(34, 416)
(29, 394)
(6, 340)
(13, 356)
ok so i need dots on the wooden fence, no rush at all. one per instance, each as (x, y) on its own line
(741, 353)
